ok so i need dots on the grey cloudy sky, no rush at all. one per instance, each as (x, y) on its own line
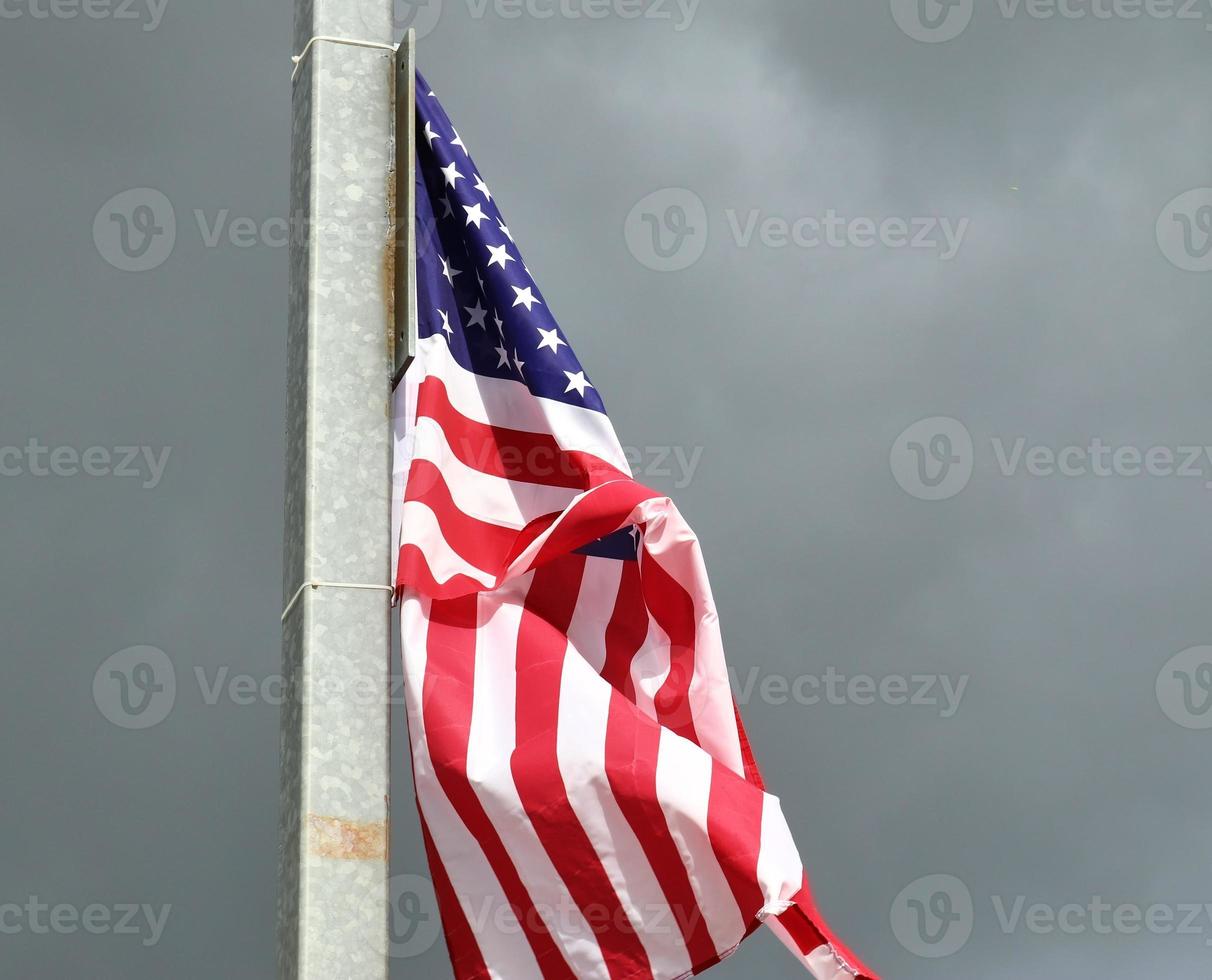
(1050, 587)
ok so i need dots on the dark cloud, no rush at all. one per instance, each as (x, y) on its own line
(1056, 143)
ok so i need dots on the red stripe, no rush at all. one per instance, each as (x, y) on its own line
(626, 632)
(734, 824)
(413, 572)
(807, 927)
(542, 645)
(465, 954)
(803, 932)
(752, 773)
(625, 636)
(446, 702)
(673, 609)
(464, 950)
(632, 744)
(413, 569)
(512, 454)
(480, 543)
(593, 516)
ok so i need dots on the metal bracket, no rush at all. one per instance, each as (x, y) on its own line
(404, 334)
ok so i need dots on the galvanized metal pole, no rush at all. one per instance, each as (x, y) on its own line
(336, 636)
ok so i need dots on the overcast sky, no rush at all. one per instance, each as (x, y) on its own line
(870, 214)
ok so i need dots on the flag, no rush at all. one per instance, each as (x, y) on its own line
(589, 802)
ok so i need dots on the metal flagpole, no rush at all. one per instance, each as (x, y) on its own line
(332, 902)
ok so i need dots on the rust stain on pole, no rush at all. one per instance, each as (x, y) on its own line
(390, 247)
(348, 840)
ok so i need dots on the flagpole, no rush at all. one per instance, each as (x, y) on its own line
(333, 871)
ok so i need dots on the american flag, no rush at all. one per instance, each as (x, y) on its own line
(589, 802)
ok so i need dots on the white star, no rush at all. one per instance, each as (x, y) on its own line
(477, 316)
(447, 210)
(449, 271)
(475, 214)
(458, 141)
(505, 231)
(452, 175)
(482, 187)
(525, 298)
(430, 134)
(520, 364)
(504, 357)
(577, 383)
(500, 256)
(480, 279)
(552, 339)
(500, 323)
(446, 323)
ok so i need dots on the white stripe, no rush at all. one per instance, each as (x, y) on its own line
(683, 786)
(821, 962)
(490, 748)
(581, 747)
(510, 503)
(510, 403)
(491, 402)
(780, 873)
(470, 873)
(669, 541)
(421, 528)
(595, 606)
(824, 965)
(526, 558)
(650, 669)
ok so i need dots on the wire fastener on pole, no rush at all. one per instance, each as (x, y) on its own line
(348, 41)
(332, 585)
